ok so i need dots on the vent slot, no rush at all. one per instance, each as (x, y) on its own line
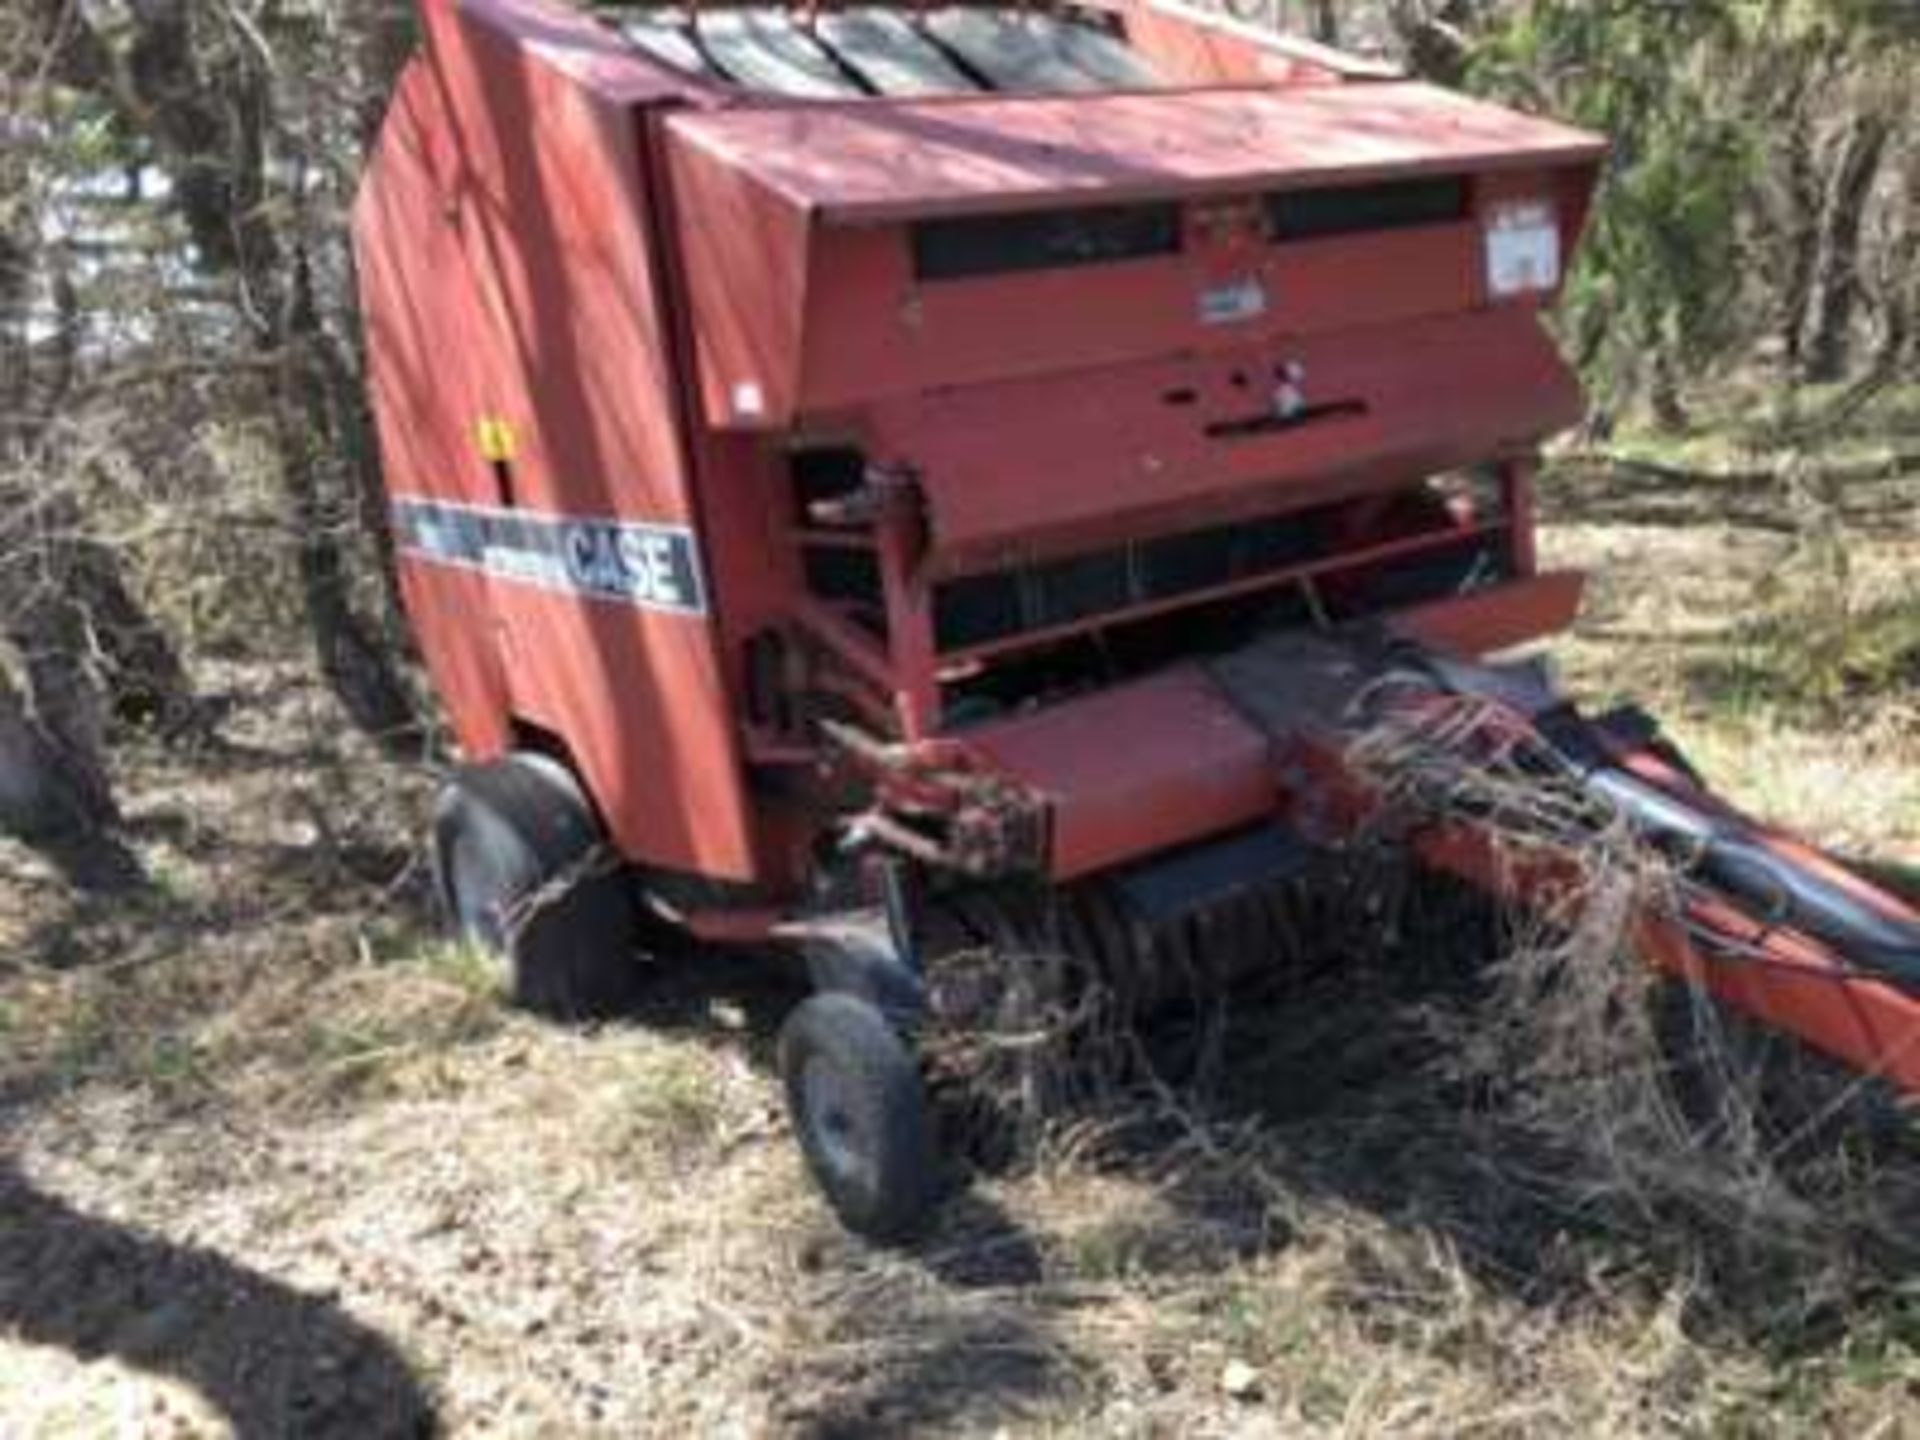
(839, 563)
(1368, 554)
(980, 609)
(1296, 215)
(974, 246)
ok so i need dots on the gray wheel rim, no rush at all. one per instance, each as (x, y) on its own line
(476, 911)
(828, 1105)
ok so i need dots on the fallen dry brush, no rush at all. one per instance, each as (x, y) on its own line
(1670, 1115)
(1505, 1076)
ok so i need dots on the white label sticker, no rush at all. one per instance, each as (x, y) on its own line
(1241, 300)
(749, 400)
(1523, 250)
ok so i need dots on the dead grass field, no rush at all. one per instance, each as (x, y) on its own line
(275, 1162)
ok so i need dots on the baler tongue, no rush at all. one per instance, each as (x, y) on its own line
(1763, 920)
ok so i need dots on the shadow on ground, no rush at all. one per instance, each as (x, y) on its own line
(273, 1360)
(1341, 1091)
(1630, 493)
(947, 1330)
(1357, 1106)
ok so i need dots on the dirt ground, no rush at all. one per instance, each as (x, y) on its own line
(273, 1161)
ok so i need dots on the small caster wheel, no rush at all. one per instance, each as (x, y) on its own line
(524, 877)
(859, 1109)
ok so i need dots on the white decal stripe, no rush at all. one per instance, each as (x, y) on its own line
(654, 567)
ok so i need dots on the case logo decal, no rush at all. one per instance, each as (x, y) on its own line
(654, 567)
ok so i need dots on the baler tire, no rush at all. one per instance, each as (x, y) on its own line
(504, 833)
(859, 1109)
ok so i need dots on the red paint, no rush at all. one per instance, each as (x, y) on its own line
(856, 162)
(800, 275)
(504, 233)
(1101, 457)
(1136, 769)
(1496, 619)
(559, 233)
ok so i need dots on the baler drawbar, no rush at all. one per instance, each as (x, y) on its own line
(852, 466)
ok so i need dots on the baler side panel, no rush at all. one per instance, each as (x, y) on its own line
(428, 337)
(552, 204)
(745, 249)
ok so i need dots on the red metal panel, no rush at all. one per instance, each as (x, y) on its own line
(874, 160)
(547, 197)
(1350, 281)
(746, 254)
(1137, 769)
(871, 331)
(427, 336)
(1497, 619)
(1011, 471)
(794, 314)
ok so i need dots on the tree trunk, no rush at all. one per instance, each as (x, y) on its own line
(1663, 394)
(48, 632)
(357, 666)
(1828, 350)
(1801, 228)
(39, 793)
(1435, 37)
(146, 681)
(208, 121)
(327, 491)
(46, 802)
(55, 786)
(387, 37)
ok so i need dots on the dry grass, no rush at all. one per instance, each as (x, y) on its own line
(1741, 619)
(272, 1159)
(1668, 1113)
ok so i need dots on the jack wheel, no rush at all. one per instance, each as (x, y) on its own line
(525, 876)
(859, 1108)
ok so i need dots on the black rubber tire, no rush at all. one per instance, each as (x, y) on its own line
(503, 832)
(859, 1110)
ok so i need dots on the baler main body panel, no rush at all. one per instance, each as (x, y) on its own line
(963, 441)
(623, 315)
